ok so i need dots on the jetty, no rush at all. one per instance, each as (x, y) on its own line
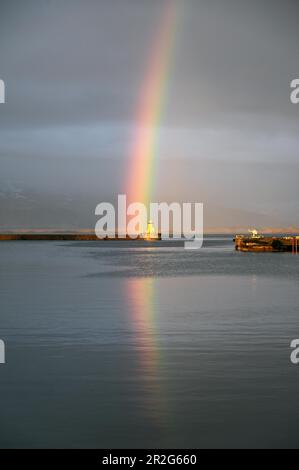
(260, 243)
(72, 237)
(149, 235)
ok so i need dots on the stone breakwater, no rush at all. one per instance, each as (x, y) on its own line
(63, 236)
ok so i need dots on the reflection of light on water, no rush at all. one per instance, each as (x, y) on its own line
(141, 294)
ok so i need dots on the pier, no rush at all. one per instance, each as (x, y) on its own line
(71, 237)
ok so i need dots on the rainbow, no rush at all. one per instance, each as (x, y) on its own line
(150, 108)
(142, 292)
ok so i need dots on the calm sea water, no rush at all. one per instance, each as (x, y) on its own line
(132, 345)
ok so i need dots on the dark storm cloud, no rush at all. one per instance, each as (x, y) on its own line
(73, 72)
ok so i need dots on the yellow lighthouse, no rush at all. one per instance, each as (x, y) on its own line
(151, 232)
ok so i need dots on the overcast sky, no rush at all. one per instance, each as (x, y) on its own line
(73, 71)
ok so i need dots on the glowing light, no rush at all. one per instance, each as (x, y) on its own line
(151, 231)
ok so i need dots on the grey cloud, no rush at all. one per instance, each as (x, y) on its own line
(74, 72)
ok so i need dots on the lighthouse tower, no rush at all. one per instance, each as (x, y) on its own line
(151, 232)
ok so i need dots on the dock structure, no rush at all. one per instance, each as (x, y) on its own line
(70, 237)
(267, 244)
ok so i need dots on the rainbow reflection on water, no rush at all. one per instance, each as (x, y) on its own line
(142, 298)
